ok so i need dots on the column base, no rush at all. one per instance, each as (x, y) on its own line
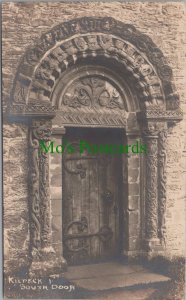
(45, 264)
(154, 246)
(130, 254)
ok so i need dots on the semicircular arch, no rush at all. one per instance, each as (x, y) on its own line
(88, 38)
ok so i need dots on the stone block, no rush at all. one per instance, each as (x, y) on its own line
(134, 244)
(56, 180)
(18, 235)
(55, 169)
(133, 217)
(56, 237)
(55, 176)
(133, 230)
(133, 175)
(132, 122)
(133, 202)
(14, 130)
(11, 168)
(133, 189)
(57, 223)
(58, 248)
(17, 148)
(56, 192)
(56, 158)
(56, 206)
(133, 162)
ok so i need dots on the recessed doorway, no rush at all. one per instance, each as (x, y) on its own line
(92, 196)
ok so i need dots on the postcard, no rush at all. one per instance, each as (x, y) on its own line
(94, 103)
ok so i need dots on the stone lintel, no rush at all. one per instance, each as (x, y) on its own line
(153, 245)
(160, 115)
(32, 110)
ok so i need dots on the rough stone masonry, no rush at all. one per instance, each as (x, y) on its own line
(22, 25)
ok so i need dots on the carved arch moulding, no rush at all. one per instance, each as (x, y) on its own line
(70, 46)
(89, 37)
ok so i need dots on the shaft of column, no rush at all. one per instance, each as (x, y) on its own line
(151, 202)
(39, 185)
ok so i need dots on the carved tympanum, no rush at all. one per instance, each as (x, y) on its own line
(92, 92)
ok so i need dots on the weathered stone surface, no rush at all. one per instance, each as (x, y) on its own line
(133, 175)
(133, 202)
(14, 130)
(56, 223)
(56, 159)
(106, 276)
(56, 180)
(56, 192)
(133, 217)
(23, 23)
(133, 244)
(132, 123)
(56, 207)
(133, 162)
(133, 230)
(55, 175)
(133, 189)
(15, 170)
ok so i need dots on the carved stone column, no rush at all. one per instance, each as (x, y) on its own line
(162, 158)
(151, 187)
(42, 252)
(154, 123)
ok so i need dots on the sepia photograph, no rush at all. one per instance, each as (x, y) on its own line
(94, 149)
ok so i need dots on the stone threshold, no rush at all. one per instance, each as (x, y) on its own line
(111, 275)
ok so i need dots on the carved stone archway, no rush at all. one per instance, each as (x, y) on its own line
(144, 80)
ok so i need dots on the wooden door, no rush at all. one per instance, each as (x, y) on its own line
(91, 198)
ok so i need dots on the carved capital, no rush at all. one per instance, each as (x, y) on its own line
(42, 129)
(149, 130)
(152, 128)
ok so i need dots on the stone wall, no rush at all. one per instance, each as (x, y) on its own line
(23, 23)
(15, 166)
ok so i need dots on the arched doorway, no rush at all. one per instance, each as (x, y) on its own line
(98, 73)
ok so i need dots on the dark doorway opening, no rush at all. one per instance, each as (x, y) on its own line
(92, 195)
